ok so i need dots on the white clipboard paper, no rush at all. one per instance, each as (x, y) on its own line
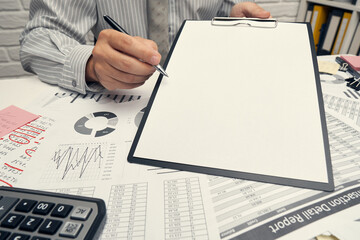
(241, 102)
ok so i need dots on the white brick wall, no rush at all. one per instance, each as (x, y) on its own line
(14, 15)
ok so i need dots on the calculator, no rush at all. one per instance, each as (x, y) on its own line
(38, 215)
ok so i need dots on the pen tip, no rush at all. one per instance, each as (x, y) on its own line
(161, 70)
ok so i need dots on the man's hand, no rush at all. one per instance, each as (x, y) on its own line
(115, 62)
(250, 10)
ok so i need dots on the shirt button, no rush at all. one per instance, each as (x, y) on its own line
(74, 83)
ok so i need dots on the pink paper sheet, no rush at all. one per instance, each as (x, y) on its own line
(12, 118)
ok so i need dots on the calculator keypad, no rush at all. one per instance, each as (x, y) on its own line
(40, 219)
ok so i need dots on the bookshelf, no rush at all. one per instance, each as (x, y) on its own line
(355, 17)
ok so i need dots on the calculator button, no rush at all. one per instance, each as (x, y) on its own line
(61, 210)
(25, 205)
(6, 203)
(70, 229)
(4, 234)
(19, 236)
(50, 226)
(12, 220)
(81, 213)
(31, 223)
(43, 208)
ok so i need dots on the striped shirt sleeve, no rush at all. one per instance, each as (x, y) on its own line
(53, 43)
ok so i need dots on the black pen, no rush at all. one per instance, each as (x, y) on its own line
(117, 27)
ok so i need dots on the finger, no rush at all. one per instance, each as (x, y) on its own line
(135, 48)
(254, 10)
(104, 70)
(111, 84)
(148, 42)
(131, 65)
(123, 62)
(249, 9)
(128, 78)
(123, 81)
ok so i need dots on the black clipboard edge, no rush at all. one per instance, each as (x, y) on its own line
(235, 174)
(322, 110)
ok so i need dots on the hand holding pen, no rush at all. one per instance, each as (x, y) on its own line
(117, 27)
(120, 61)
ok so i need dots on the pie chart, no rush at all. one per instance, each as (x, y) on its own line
(105, 127)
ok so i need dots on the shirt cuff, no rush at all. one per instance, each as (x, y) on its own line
(74, 70)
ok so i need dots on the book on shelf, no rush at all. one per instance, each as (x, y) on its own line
(355, 43)
(318, 19)
(329, 31)
(341, 33)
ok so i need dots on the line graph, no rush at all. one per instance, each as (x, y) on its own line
(76, 159)
(79, 162)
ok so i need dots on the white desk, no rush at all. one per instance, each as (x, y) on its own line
(205, 207)
(19, 91)
(22, 91)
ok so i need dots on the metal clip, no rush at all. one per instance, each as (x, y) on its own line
(250, 22)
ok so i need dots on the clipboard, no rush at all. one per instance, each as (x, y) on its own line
(241, 102)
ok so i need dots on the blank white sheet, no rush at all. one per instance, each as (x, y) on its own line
(239, 102)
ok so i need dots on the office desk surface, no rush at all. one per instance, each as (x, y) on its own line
(187, 205)
(19, 91)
